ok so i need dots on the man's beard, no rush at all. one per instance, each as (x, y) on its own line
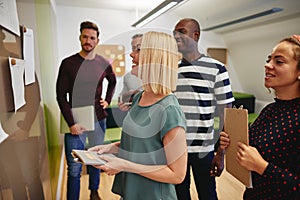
(89, 50)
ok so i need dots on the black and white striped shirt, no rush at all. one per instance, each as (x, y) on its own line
(202, 85)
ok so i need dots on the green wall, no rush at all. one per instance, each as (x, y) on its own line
(46, 35)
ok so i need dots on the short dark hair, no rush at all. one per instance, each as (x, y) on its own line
(137, 35)
(89, 25)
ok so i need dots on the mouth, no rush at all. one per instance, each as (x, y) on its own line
(179, 42)
(87, 45)
(133, 66)
(268, 75)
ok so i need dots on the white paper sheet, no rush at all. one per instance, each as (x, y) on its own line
(17, 80)
(3, 135)
(28, 51)
(9, 16)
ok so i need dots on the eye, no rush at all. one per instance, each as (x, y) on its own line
(279, 61)
(180, 31)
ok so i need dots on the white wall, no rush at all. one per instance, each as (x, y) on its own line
(115, 27)
(248, 51)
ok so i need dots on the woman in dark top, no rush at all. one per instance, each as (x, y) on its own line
(273, 155)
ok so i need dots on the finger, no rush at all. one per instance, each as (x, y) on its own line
(106, 158)
(223, 138)
(240, 151)
(95, 148)
(102, 167)
(100, 151)
(241, 145)
(224, 134)
(223, 142)
(110, 173)
(214, 170)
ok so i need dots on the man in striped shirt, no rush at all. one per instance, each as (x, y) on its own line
(203, 91)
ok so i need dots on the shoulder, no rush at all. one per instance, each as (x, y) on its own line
(211, 62)
(127, 75)
(71, 61)
(204, 65)
(101, 59)
(73, 58)
(170, 102)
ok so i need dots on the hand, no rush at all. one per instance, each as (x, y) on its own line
(217, 164)
(77, 129)
(224, 140)
(122, 106)
(19, 135)
(250, 158)
(103, 103)
(113, 166)
(106, 148)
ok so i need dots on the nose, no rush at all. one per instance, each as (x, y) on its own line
(177, 36)
(269, 65)
(131, 54)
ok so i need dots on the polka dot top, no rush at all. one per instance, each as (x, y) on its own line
(276, 135)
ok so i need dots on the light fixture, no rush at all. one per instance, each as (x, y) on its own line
(243, 19)
(160, 9)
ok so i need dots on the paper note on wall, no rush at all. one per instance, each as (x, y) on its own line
(9, 16)
(28, 51)
(17, 67)
(3, 135)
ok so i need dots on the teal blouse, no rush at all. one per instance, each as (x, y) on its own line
(142, 142)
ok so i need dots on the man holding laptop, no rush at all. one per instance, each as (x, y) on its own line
(79, 86)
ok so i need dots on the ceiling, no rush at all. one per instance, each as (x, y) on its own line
(208, 12)
(129, 5)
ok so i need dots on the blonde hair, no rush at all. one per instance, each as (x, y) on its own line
(158, 62)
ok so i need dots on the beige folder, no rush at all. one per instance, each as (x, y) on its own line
(236, 126)
(83, 116)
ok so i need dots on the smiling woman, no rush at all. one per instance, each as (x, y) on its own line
(275, 168)
(282, 68)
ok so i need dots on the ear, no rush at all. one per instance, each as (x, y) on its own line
(196, 36)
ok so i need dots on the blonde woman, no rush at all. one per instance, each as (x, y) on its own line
(152, 153)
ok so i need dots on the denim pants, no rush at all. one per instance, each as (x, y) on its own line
(205, 184)
(74, 168)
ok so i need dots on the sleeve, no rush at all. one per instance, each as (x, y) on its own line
(125, 88)
(112, 81)
(174, 117)
(222, 87)
(289, 180)
(62, 90)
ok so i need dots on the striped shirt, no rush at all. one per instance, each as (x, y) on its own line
(202, 85)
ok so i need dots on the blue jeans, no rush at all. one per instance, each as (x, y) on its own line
(74, 168)
(205, 184)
